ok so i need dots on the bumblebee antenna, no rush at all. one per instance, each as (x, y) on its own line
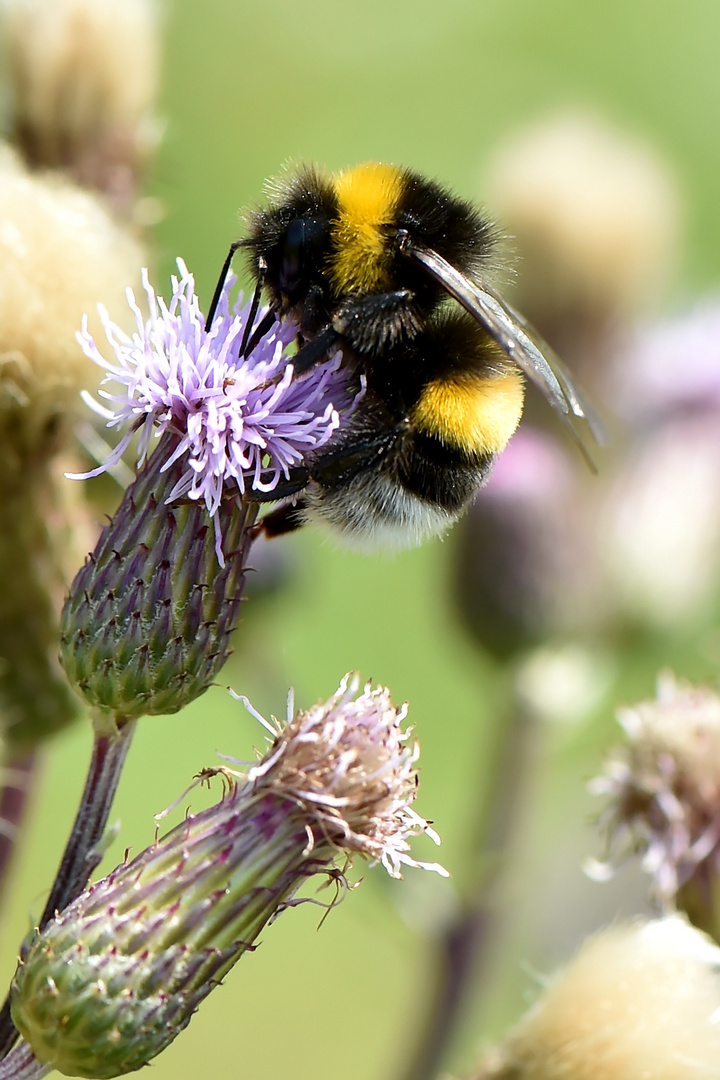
(259, 331)
(221, 283)
(262, 272)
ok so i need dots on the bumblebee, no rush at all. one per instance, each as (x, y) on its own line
(392, 269)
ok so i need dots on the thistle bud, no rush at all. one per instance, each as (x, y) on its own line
(663, 791)
(597, 220)
(640, 1000)
(524, 566)
(146, 626)
(114, 978)
(147, 623)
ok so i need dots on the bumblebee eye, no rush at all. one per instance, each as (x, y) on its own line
(301, 254)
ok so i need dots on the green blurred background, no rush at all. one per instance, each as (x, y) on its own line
(435, 86)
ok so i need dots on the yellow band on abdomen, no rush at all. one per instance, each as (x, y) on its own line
(474, 414)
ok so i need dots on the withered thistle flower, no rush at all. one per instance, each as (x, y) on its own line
(115, 977)
(596, 216)
(640, 1000)
(663, 791)
(147, 623)
(83, 78)
(60, 254)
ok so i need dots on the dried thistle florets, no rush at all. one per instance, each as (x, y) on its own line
(60, 254)
(83, 78)
(351, 765)
(663, 788)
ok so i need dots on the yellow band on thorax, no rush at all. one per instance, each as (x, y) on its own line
(367, 197)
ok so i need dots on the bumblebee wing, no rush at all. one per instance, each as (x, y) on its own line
(578, 402)
(518, 340)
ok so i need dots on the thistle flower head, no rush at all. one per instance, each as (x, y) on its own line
(82, 78)
(663, 790)
(115, 977)
(146, 625)
(241, 423)
(639, 1000)
(671, 368)
(351, 764)
(596, 213)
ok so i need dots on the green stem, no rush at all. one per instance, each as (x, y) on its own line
(82, 851)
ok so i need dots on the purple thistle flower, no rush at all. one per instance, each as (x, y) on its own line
(245, 422)
(671, 367)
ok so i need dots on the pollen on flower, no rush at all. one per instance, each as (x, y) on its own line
(351, 765)
(241, 423)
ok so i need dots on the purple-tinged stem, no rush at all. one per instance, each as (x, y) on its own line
(463, 948)
(17, 774)
(21, 1064)
(82, 853)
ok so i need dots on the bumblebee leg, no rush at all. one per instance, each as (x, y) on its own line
(286, 519)
(314, 351)
(329, 470)
(312, 319)
(373, 323)
(260, 330)
(262, 272)
(339, 466)
(332, 470)
(368, 324)
(296, 481)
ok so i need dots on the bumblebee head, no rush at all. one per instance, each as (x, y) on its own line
(341, 234)
(288, 241)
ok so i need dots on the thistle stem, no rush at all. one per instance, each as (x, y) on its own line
(462, 948)
(82, 851)
(17, 774)
(21, 1064)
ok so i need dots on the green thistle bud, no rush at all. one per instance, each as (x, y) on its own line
(146, 626)
(116, 976)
